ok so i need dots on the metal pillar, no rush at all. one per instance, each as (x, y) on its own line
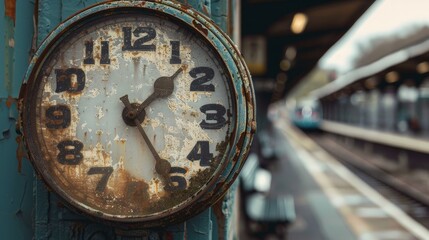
(27, 209)
(16, 173)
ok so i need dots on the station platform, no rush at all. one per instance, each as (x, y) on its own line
(330, 201)
(409, 141)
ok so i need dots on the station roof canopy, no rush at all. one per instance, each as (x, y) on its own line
(406, 62)
(325, 22)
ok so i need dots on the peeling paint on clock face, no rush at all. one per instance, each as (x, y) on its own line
(104, 163)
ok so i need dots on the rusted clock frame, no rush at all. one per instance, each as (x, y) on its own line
(239, 141)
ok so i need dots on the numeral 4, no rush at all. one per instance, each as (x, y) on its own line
(201, 151)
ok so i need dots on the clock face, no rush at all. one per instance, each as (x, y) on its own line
(131, 115)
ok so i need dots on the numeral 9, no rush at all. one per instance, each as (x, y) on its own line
(58, 116)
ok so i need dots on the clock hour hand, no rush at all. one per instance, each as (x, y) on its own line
(163, 87)
(162, 166)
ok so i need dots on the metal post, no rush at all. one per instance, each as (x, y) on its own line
(16, 173)
(21, 190)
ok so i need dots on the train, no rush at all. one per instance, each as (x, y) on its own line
(307, 114)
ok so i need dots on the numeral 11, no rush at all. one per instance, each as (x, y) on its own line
(89, 53)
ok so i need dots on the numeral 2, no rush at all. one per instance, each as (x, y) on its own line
(201, 151)
(202, 75)
(214, 116)
(140, 43)
(106, 172)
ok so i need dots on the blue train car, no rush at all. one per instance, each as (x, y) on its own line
(307, 115)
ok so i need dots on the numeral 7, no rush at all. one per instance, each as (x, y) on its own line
(106, 172)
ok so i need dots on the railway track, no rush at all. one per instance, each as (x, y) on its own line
(407, 197)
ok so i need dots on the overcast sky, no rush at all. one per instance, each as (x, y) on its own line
(385, 17)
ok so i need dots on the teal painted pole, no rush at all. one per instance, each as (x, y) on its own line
(27, 209)
(16, 173)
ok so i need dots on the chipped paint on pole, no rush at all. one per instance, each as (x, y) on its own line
(16, 174)
(10, 7)
(50, 212)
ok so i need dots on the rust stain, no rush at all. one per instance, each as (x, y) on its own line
(10, 9)
(200, 27)
(253, 126)
(206, 10)
(20, 152)
(219, 185)
(240, 143)
(18, 124)
(141, 4)
(185, 5)
(10, 100)
(217, 210)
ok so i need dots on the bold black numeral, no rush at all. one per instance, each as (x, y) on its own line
(206, 74)
(175, 52)
(177, 182)
(105, 59)
(139, 44)
(89, 53)
(214, 116)
(201, 151)
(106, 172)
(66, 82)
(59, 116)
(70, 152)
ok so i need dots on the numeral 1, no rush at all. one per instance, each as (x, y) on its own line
(175, 52)
(89, 53)
(105, 59)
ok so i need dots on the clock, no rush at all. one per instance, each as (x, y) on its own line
(138, 112)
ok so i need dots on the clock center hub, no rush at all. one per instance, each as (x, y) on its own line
(129, 116)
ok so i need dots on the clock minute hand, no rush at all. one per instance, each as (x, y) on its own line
(162, 166)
